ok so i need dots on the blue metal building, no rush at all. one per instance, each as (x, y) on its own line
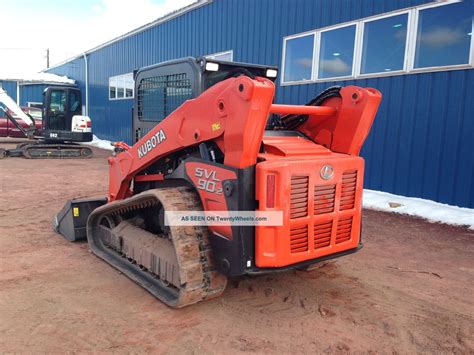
(418, 53)
(29, 91)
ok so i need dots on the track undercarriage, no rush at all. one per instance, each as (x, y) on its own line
(42, 150)
(173, 263)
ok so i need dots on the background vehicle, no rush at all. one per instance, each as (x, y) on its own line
(62, 124)
(202, 145)
(8, 129)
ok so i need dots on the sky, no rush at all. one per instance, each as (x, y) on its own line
(68, 27)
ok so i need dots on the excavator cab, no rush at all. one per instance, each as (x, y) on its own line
(62, 115)
(162, 88)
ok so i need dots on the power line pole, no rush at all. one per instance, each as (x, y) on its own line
(47, 58)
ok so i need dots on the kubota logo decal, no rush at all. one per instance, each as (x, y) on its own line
(151, 143)
(207, 180)
(327, 172)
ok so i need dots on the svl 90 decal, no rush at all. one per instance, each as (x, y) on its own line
(207, 180)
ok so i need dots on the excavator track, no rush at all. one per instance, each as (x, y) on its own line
(175, 265)
(55, 151)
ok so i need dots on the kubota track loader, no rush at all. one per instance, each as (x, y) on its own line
(201, 144)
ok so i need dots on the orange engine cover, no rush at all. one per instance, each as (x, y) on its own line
(320, 194)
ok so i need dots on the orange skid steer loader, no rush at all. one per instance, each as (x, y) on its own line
(209, 138)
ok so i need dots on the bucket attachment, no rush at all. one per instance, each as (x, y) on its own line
(71, 221)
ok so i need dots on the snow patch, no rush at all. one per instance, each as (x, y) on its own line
(412, 206)
(37, 78)
(100, 143)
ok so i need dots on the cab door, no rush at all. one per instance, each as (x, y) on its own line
(55, 110)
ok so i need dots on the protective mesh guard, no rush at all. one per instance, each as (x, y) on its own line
(158, 96)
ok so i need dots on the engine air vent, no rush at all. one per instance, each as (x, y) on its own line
(344, 229)
(348, 190)
(299, 197)
(299, 239)
(324, 196)
(322, 234)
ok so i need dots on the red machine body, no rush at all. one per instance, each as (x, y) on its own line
(315, 178)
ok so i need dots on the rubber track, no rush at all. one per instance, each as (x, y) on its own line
(198, 276)
(56, 151)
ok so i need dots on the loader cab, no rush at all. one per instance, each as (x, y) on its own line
(162, 88)
(60, 104)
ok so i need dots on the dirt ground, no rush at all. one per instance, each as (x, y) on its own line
(410, 289)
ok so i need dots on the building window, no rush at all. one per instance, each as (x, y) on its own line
(227, 56)
(444, 35)
(428, 37)
(336, 52)
(384, 44)
(299, 58)
(121, 87)
(35, 104)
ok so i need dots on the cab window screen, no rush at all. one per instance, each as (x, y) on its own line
(58, 101)
(74, 101)
(158, 96)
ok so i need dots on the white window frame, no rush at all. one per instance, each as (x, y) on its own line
(410, 47)
(120, 80)
(414, 35)
(315, 47)
(214, 55)
(407, 43)
(316, 60)
(29, 103)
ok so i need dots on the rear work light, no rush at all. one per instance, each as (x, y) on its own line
(212, 66)
(272, 73)
(270, 191)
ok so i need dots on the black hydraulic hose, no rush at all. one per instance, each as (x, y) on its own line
(290, 122)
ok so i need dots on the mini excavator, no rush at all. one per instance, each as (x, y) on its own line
(63, 126)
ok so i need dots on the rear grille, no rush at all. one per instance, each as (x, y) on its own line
(348, 190)
(324, 199)
(299, 239)
(344, 229)
(299, 197)
(322, 234)
(317, 222)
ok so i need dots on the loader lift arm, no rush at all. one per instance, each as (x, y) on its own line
(213, 116)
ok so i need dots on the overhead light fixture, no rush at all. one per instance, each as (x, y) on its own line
(388, 69)
(336, 54)
(271, 73)
(469, 34)
(397, 25)
(212, 66)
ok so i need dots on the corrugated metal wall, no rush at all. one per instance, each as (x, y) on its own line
(9, 87)
(31, 93)
(28, 92)
(420, 143)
